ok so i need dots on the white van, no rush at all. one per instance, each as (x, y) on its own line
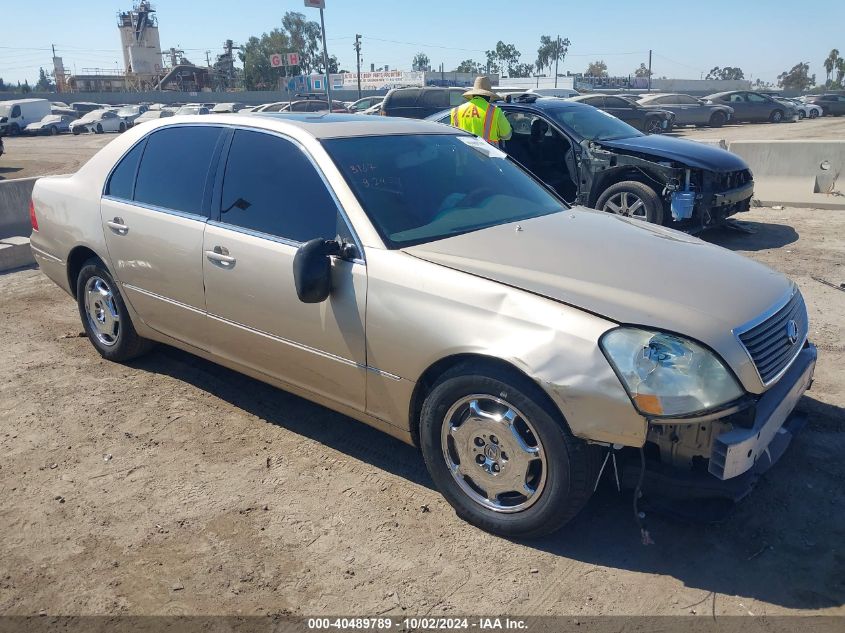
(16, 114)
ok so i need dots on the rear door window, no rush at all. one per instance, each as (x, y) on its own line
(435, 99)
(175, 168)
(737, 98)
(757, 98)
(616, 102)
(270, 186)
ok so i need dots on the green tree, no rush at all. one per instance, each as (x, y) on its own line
(45, 84)
(521, 70)
(798, 78)
(725, 74)
(642, 71)
(421, 62)
(305, 37)
(469, 66)
(830, 64)
(840, 71)
(596, 69)
(507, 56)
(551, 50)
(255, 55)
(3, 86)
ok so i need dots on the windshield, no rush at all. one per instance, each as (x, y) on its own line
(421, 188)
(92, 116)
(128, 111)
(5, 110)
(593, 124)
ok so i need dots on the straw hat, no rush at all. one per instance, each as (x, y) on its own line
(482, 88)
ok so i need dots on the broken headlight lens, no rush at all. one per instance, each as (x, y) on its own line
(667, 375)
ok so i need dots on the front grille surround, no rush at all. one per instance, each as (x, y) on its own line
(766, 340)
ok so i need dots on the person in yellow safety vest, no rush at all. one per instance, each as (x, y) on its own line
(480, 117)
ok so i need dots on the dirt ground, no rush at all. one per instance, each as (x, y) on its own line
(174, 486)
(43, 155)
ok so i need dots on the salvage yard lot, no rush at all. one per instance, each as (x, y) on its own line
(172, 485)
(44, 155)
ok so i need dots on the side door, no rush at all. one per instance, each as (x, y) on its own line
(688, 111)
(743, 111)
(837, 106)
(271, 200)
(622, 109)
(154, 211)
(761, 106)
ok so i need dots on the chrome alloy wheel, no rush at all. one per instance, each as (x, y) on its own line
(101, 310)
(627, 204)
(493, 453)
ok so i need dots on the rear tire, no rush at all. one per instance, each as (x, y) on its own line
(104, 315)
(121, 128)
(718, 119)
(495, 448)
(632, 199)
(653, 125)
(99, 128)
(814, 114)
(776, 116)
(76, 131)
(53, 130)
(14, 129)
(801, 115)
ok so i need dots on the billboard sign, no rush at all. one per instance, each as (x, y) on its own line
(276, 60)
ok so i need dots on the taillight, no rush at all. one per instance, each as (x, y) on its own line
(32, 219)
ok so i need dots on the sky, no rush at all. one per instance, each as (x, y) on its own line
(763, 37)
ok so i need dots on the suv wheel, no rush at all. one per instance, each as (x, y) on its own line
(633, 200)
(501, 457)
(104, 315)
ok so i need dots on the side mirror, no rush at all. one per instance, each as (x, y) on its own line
(312, 270)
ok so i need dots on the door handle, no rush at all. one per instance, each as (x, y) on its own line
(220, 255)
(117, 226)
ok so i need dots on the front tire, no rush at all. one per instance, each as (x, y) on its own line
(104, 315)
(77, 131)
(801, 115)
(813, 114)
(776, 116)
(718, 119)
(501, 456)
(632, 199)
(653, 125)
(121, 128)
(53, 130)
(99, 128)
(14, 129)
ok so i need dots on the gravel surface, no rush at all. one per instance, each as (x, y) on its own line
(171, 485)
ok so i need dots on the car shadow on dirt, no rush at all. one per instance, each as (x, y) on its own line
(782, 545)
(762, 236)
(8, 170)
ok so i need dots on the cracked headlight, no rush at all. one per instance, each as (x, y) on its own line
(667, 375)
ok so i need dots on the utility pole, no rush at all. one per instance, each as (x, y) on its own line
(358, 61)
(649, 70)
(557, 57)
(208, 59)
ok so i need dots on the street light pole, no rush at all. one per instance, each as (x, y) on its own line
(358, 61)
(321, 4)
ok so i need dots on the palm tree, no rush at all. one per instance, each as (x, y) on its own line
(831, 62)
(840, 70)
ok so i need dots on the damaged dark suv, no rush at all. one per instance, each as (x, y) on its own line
(592, 158)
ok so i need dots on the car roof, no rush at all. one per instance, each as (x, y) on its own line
(320, 125)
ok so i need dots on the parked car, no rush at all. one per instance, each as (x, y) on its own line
(364, 104)
(84, 107)
(153, 115)
(312, 105)
(805, 110)
(192, 108)
(276, 106)
(833, 105)
(752, 106)
(131, 113)
(591, 158)
(227, 107)
(50, 124)
(689, 110)
(419, 103)
(99, 121)
(648, 120)
(515, 367)
(16, 114)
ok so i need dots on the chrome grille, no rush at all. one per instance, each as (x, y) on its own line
(768, 342)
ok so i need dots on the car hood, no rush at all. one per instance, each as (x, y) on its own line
(690, 153)
(622, 269)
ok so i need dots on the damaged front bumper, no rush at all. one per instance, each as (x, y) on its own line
(745, 443)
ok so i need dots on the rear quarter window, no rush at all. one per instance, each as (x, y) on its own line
(122, 181)
(403, 98)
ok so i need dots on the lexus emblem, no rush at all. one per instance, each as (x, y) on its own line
(792, 332)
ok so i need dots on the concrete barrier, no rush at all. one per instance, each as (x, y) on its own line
(809, 174)
(14, 207)
(14, 223)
